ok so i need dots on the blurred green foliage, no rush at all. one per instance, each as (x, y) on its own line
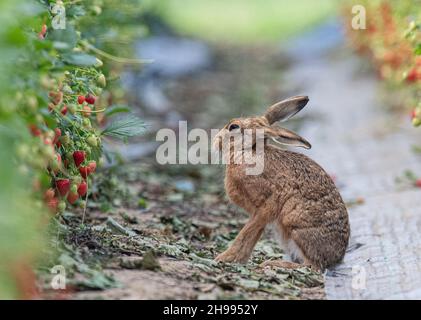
(245, 20)
(20, 214)
(35, 64)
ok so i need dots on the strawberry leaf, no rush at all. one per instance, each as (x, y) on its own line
(418, 49)
(126, 127)
(116, 109)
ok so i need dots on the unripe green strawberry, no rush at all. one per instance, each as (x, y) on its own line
(102, 81)
(39, 119)
(32, 103)
(416, 122)
(67, 89)
(73, 188)
(77, 180)
(86, 123)
(69, 155)
(97, 10)
(48, 152)
(92, 141)
(61, 206)
(55, 164)
(71, 108)
(98, 91)
(65, 139)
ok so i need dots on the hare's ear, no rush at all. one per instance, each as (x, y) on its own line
(287, 137)
(285, 109)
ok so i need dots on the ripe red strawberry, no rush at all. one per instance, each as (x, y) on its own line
(92, 166)
(72, 197)
(63, 186)
(86, 111)
(84, 171)
(412, 75)
(57, 135)
(53, 204)
(80, 99)
(418, 183)
(64, 110)
(56, 162)
(90, 99)
(82, 189)
(49, 194)
(35, 131)
(44, 29)
(78, 157)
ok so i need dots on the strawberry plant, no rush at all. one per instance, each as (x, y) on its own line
(64, 105)
(58, 95)
(392, 42)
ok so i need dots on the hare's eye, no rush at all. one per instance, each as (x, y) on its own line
(233, 127)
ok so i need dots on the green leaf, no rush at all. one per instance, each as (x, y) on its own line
(79, 59)
(125, 127)
(418, 49)
(116, 109)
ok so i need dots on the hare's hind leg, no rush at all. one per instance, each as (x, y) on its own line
(245, 241)
(287, 264)
(280, 264)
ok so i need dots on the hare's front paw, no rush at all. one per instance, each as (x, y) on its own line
(231, 256)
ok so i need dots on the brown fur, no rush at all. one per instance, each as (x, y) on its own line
(294, 193)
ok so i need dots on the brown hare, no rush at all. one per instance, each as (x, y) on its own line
(292, 193)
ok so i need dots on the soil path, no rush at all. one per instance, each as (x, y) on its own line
(188, 220)
(366, 148)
